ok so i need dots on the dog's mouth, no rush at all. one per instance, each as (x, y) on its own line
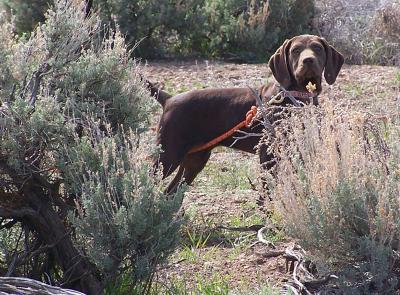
(310, 84)
(308, 75)
(307, 82)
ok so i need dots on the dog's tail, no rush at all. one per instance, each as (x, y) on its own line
(160, 95)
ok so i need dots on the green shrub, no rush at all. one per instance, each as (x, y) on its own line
(336, 188)
(75, 163)
(235, 29)
(265, 25)
(27, 14)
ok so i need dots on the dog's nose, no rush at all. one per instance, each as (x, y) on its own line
(308, 60)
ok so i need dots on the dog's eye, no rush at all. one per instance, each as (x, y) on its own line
(317, 48)
(296, 50)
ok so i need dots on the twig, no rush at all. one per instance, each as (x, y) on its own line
(316, 284)
(8, 225)
(272, 253)
(252, 185)
(267, 124)
(38, 75)
(247, 135)
(254, 228)
(172, 264)
(261, 238)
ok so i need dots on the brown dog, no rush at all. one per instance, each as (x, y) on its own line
(197, 117)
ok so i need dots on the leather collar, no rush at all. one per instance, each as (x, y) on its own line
(298, 98)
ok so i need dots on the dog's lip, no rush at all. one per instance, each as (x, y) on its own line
(312, 80)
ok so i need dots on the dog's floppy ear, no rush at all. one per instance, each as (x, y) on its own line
(278, 63)
(334, 62)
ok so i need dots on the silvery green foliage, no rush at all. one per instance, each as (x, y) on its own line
(6, 36)
(64, 71)
(124, 218)
(26, 13)
(72, 111)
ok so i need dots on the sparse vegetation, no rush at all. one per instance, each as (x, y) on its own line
(228, 174)
(336, 187)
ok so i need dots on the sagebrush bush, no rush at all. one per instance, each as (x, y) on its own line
(248, 30)
(336, 186)
(365, 31)
(125, 220)
(27, 14)
(76, 172)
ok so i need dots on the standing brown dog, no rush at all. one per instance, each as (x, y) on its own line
(197, 117)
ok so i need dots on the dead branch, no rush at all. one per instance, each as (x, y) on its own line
(261, 239)
(272, 253)
(38, 75)
(303, 281)
(8, 224)
(25, 286)
(244, 136)
(254, 228)
(252, 185)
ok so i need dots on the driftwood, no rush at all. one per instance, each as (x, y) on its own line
(25, 286)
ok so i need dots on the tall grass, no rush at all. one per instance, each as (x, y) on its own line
(337, 188)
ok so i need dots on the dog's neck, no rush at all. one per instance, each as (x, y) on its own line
(303, 96)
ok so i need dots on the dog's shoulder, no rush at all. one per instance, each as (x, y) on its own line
(268, 90)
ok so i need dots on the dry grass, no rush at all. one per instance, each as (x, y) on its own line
(337, 186)
(365, 31)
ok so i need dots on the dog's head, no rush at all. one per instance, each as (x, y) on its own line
(304, 59)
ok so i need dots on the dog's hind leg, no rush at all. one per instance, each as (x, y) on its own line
(170, 160)
(191, 165)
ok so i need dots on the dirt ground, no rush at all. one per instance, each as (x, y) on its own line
(224, 193)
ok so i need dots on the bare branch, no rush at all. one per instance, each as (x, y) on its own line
(260, 237)
(254, 228)
(245, 135)
(7, 225)
(24, 286)
(35, 84)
